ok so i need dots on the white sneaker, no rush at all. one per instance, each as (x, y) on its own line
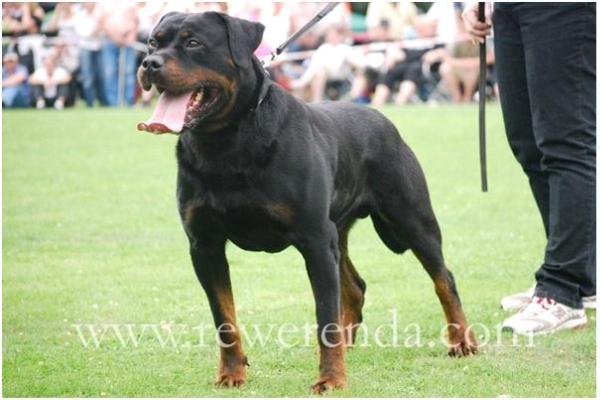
(589, 302)
(543, 315)
(40, 103)
(519, 300)
(59, 104)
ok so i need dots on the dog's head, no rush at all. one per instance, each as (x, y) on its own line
(202, 65)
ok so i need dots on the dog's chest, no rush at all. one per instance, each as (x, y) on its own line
(255, 229)
(249, 223)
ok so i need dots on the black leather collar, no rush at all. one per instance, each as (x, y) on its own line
(264, 86)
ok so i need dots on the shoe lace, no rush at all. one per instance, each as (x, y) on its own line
(538, 305)
(545, 302)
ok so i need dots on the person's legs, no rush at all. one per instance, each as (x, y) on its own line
(62, 92)
(382, 92)
(87, 76)
(37, 92)
(23, 98)
(50, 101)
(317, 86)
(130, 74)
(110, 72)
(560, 53)
(15, 96)
(386, 84)
(450, 80)
(9, 94)
(516, 109)
(408, 87)
(469, 76)
(98, 77)
(360, 87)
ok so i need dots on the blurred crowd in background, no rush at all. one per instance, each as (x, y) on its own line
(59, 54)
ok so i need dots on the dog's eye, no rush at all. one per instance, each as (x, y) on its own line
(152, 43)
(191, 44)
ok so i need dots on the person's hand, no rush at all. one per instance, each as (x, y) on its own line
(476, 29)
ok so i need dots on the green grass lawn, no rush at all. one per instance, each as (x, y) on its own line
(91, 235)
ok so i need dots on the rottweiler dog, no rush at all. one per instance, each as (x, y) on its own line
(264, 170)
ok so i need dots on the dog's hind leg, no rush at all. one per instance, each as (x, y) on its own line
(353, 289)
(405, 220)
(421, 234)
(427, 247)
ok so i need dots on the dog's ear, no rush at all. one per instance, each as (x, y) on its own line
(244, 37)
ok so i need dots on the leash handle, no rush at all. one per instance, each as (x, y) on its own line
(482, 84)
(320, 15)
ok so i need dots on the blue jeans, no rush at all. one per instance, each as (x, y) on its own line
(16, 96)
(110, 78)
(90, 75)
(546, 66)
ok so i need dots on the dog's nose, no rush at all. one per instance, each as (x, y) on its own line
(153, 63)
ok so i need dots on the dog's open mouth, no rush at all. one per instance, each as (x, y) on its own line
(174, 112)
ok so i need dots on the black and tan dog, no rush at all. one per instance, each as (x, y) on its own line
(263, 170)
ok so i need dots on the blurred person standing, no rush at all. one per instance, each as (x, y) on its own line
(149, 13)
(119, 23)
(88, 32)
(397, 18)
(460, 69)
(50, 84)
(546, 71)
(15, 89)
(66, 45)
(63, 21)
(23, 22)
(439, 21)
(22, 18)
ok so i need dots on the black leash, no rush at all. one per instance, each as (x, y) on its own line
(326, 10)
(482, 78)
(482, 82)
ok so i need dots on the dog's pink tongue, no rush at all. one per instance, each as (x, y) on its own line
(169, 115)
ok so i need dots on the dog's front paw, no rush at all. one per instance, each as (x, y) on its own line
(228, 379)
(325, 384)
(462, 345)
(232, 374)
